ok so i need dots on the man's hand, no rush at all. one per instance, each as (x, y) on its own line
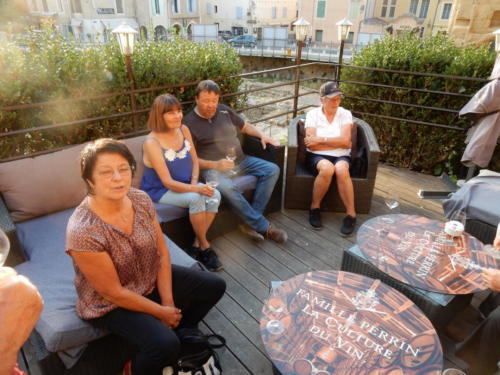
(492, 278)
(224, 165)
(264, 140)
(312, 141)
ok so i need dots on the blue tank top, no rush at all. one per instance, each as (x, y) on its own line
(179, 164)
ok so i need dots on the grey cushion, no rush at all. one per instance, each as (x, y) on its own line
(51, 270)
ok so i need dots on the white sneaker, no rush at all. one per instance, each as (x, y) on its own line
(253, 234)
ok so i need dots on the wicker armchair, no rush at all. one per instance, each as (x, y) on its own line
(299, 181)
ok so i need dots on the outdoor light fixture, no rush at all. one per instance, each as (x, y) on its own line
(125, 35)
(497, 39)
(344, 28)
(301, 28)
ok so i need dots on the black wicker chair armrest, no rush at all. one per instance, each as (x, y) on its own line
(371, 144)
(253, 147)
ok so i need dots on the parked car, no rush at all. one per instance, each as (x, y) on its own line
(243, 41)
(225, 34)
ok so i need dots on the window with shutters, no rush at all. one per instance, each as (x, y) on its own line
(320, 9)
(424, 8)
(445, 15)
(318, 36)
(119, 6)
(413, 7)
(175, 6)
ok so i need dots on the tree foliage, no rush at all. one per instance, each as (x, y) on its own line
(418, 147)
(45, 67)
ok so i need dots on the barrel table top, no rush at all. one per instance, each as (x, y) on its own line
(415, 250)
(334, 322)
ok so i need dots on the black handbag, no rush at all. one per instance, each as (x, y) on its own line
(198, 356)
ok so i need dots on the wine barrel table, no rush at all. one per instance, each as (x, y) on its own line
(416, 251)
(334, 322)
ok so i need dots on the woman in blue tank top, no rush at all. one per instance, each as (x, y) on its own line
(171, 173)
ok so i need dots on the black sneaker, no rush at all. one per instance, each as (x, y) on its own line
(315, 218)
(192, 251)
(209, 259)
(348, 225)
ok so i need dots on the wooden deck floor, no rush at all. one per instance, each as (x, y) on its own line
(249, 267)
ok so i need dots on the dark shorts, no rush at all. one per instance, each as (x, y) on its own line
(313, 159)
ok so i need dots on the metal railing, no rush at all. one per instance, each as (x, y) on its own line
(296, 82)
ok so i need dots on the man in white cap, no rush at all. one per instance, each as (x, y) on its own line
(328, 142)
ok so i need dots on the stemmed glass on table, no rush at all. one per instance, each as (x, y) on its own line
(212, 180)
(459, 218)
(231, 156)
(4, 247)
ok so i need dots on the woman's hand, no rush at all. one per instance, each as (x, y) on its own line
(171, 316)
(204, 189)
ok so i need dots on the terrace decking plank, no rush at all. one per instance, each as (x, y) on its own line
(229, 361)
(245, 323)
(297, 235)
(251, 282)
(267, 261)
(239, 293)
(281, 254)
(252, 266)
(239, 345)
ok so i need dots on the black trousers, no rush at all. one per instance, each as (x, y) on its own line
(482, 349)
(195, 293)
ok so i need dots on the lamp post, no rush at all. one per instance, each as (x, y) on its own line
(344, 27)
(301, 29)
(126, 37)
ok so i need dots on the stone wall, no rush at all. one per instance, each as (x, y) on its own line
(257, 63)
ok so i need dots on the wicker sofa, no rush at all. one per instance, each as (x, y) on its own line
(38, 195)
(299, 181)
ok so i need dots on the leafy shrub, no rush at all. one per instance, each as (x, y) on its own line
(418, 147)
(49, 68)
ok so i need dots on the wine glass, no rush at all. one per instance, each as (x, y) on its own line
(4, 247)
(275, 327)
(459, 216)
(231, 156)
(392, 203)
(212, 180)
(456, 222)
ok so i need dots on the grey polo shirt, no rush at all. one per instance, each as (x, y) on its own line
(212, 137)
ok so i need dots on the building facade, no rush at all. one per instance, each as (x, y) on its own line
(372, 19)
(473, 21)
(323, 15)
(86, 20)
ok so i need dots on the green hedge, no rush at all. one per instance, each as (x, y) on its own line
(47, 67)
(418, 147)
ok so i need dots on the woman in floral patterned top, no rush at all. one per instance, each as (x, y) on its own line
(171, 172)
(123, 275)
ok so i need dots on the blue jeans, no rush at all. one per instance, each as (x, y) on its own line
(267, 174)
